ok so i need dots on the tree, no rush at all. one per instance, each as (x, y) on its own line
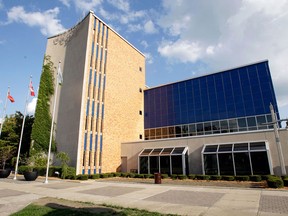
(42, 124)
(6, 153)
(64, 158)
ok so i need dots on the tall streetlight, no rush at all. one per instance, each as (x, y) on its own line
(275, 123)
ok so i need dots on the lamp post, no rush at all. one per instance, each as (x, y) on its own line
(275, 123)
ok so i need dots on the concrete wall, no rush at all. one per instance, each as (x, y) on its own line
(195, 145)
(70, 49)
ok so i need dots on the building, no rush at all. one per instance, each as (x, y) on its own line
(107, 121)
(214, 124)
(102, 74)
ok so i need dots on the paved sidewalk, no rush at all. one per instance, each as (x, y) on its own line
(174, 199)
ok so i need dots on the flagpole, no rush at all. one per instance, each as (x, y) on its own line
(22, 130)
(4, 111)
(52, 126)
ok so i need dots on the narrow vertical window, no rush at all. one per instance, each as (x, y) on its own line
(85, 141)
(91, 139)
(102, 111)
(93, 106)
(87, 109)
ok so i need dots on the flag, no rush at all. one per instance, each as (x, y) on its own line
(10, 97)
(32, 93)
(59, 75)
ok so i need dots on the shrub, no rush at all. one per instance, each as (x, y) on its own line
(117, 174)
(215, 177)
(228, 178)
(255, 178)
(265, 177)
(275, 182)
(174, 176)
(82, 177)
(110, 175)
(202, 177)
(148, 176)
(191, 176)
(139, 176)
(124, 175)
(242, 178)
(164, 176)
(131, 175)
(104, 175)
(285, 181)
(182, 177)
(95, 176)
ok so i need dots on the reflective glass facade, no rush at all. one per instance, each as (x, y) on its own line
(229, 101)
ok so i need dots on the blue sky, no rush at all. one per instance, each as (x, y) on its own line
(180, 38)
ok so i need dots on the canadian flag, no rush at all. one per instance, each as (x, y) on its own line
(10, 97)
(32, 93)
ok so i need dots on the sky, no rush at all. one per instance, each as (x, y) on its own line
(180, 38)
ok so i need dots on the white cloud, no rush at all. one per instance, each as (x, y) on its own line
(183, 50)
(228, 33)
(47, 21)
(65, 2)
(32, 106)
(149, 27)
(134, 28)
(149, 58)
(86, 5)
(131, 16)
(120, 5)
(2, 42)
(1, 4)
(144, 44)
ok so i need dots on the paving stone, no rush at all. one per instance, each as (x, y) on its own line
(8, 192)
(274, 204)
(111, 191)
(61, 185)
(193, 198)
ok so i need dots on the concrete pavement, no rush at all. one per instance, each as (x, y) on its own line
(173, 199)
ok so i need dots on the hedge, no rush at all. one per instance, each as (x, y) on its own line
(215, 177)
(275, 182)
(255, 178)
(242, 178)
(164, 176)
(202, 177)
(82, 177)
(181, 177)
(191, 176)
(228, 178)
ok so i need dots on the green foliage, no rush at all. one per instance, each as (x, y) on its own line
(202, 177)
(6, 153)
(191, 176)
(104, 175)
(64, 158)
(215, 177)
(275, 182)
(164, 176)
(228, 178)
(265, 177)
(38, 159)
(174, 176)
(131, 175)
(82, 177)
(182, 177)
(242, 178)
(255, 178)
(285, 181)
(42, 124)
(139, 176)
(94, 176)
(148, 176)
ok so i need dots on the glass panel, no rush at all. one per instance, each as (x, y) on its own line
(260, 163)
(146, 134)
(156, 151)
(152, 133)
(225, 148)
(224, 126)
(154, 165)
(167, 151)
(251, 121)
(207, 128)
(216, 127)
(241, 147)
(211, 148)
(258, 146)
(226, 164)
(158, 133)
(177, 167)
(260, 121)
(171, 132)
(242, 122)
(192, 130)
(233, 127)
(165, 165)
(178, 131)
(210, 164)
(184, 129)
(200, 129)
(146, 152)
(242, 163)
(164, 132)
(144, 165)
(178, 150)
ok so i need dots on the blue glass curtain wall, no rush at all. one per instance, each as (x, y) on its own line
(235, 93)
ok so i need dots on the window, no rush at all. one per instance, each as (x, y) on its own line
(140, 90)
(140, 69)
(140, 112)
(140, 136)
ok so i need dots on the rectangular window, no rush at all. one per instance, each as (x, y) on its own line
(93, 106)
(102, 111)
(85, 141)
(91, 142)
(87, 108)
(140, 112)
(140, 69)
(140, 136)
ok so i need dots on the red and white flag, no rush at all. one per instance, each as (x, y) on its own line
(32, 92)
(10, 97)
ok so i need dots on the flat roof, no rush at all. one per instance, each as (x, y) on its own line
(92, 12)
(207, 74)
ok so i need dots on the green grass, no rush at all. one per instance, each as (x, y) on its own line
(39, 210)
